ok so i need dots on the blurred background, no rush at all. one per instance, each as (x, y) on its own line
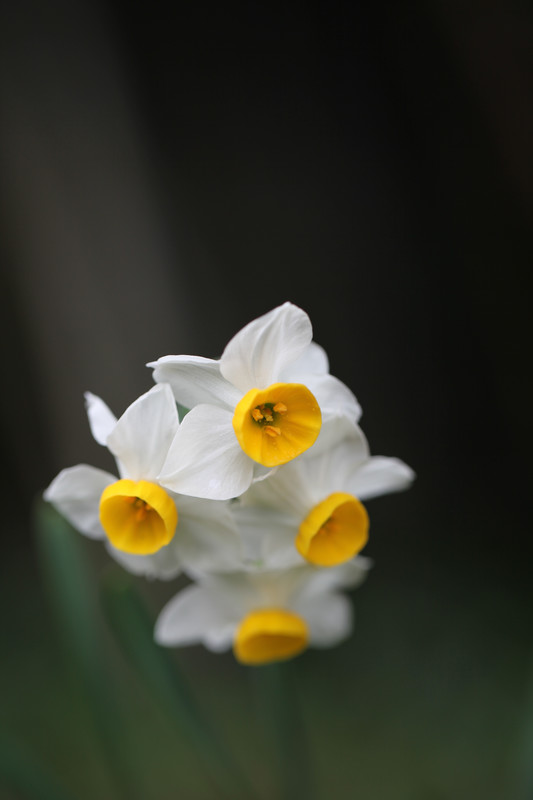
(165, 177)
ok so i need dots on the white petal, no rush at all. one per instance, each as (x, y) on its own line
(329, 617)
(332, 469)
(195, 380)
(76, 493)
(190, 617)
(205, 458)
(164, 565)
(381, 475)
(101, 418)
(337, 429)
(221, 638)
(258, 354)
(313, 360)
(278, 588)
(349, 575)
(326, 468)
(286, 489)
(206, 537)
(142, 436)
(334, 397)
(268, 537)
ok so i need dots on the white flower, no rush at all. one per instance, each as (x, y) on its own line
(266, 615)
(315, 501)
(259, 406)
(148, 529)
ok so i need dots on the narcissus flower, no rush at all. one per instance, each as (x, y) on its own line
(315, 502)
(148, 529)
(264, 615)
(258, 407)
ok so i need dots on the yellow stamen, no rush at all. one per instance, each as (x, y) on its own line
(334, 531)
(270, 634)
(138, 517)
(276, 424)
(271, 430)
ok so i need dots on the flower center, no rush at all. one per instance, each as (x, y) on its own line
(138, 517)
(334, 531)
(276, 424)
(270, 634)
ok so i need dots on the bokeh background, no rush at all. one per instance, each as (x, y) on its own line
(165, 177)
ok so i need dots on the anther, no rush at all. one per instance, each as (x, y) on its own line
(280, 408)
(256, 414)
(272, 430)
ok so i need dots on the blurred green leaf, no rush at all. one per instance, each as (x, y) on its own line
(73, 596)
(133, 628)
(21, 773)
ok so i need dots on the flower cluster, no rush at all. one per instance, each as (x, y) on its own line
(256, 495)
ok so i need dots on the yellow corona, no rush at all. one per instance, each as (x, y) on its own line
(270, 634)
(276, 424)
(334, 531)
(138, 517)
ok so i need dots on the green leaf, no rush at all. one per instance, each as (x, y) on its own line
(133, 628)
(22, 773)
(73, 595)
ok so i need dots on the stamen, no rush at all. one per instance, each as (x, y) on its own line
(271, 430)
(280, 408)
(140, 514)
(256, 414)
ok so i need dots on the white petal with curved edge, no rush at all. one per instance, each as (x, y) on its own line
(101, 418)
(195, 380)
(207, 538)
(337, 429)
(313, 360)
(190, 617)
(349, 575)
(286, 489)
(76, 493)
(205, 458)
(142, 436)
(268, 537)
(334, 397)
(163, 565)
(333, 469)
(381, 475)
(258, 354)
(329, 617)
(322, 470)
(220, 639)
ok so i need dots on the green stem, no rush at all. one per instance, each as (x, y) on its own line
(277, 698)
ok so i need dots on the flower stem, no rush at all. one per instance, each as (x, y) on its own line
(279, 710)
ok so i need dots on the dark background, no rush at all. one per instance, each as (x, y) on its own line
(167, 177)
